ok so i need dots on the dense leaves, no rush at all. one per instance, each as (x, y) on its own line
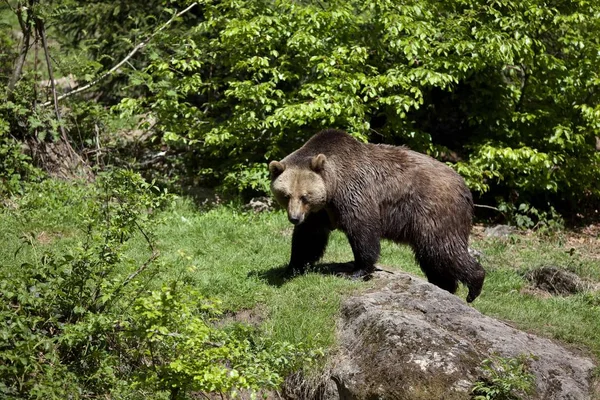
(83, 323)
(508, 90)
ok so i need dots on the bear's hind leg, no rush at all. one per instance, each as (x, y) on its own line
(473, 276)
(435, 272)
(446, 270)
(309, 241)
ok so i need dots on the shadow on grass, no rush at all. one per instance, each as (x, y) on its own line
(278, 276)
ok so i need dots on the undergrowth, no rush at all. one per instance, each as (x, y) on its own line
(91, 320)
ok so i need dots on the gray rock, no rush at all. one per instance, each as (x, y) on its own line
(409, 339)
(500, 231)
(476, 253)
(260, 204)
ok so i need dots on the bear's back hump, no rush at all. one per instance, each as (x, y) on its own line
(331, 142)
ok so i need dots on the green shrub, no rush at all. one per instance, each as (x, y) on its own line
(179, 351)
(82, 323)
(525, 216)
(505, 379)
(15, 166)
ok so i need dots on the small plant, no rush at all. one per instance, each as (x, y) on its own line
(15, 166)
(177, 348)
(505, 379)
(525, 216)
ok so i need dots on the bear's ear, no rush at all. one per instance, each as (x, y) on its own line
(318, 162)
(276, 168)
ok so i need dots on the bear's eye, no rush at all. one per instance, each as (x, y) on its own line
(304, 199)
(286, 195)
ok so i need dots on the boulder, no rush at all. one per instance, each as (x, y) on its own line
(499, 231)
(408, 339)
(260, 204)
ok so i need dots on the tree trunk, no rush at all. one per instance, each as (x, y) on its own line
(26, 30)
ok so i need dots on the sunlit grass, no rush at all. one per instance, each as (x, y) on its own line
(238, 257)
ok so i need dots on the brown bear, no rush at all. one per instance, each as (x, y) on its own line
(372, 192)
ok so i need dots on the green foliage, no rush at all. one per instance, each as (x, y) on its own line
(25, 120)
(8, 47)
(526, 216)
(59, 312)
(253, 177)
(501, 84)
(80, 322)
(181, 352)
(15, 166)
(506, 379)
(507, 89)
(27, 113)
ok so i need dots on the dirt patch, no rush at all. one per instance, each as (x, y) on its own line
(286, 232)
(241, 395)
(249, 316)
(47, 238)
(556, 281)
(585, 241)
(534, 292)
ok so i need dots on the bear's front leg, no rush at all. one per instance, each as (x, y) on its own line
(309, 241)
(365, 242)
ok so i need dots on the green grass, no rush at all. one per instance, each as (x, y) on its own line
(238, 257)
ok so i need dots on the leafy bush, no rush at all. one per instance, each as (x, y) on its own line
(504, 91)
(178, 351)
(82, 323)
(505, 379)
(15, 166)
(526, 216)
(501, 86)
(59, 313)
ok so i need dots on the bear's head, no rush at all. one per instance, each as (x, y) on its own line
(301, 190)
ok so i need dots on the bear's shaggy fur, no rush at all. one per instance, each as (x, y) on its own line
(372, 192)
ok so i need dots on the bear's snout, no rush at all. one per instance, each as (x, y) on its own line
(296, 211)
(295, 219)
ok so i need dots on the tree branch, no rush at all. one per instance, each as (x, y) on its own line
(141, 268)
(140, 46)
(42, 34)
(9, 5)
(488, 207)
(152, 257)
(26, 30)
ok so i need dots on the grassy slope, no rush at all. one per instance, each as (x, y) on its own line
(238, 257)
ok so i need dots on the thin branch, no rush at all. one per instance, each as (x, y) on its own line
(42, 34)
(140, 46)
(9, 5)
(26, 30)
(153, 257)
(488, 207)
(204, 395)
(36, 48)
